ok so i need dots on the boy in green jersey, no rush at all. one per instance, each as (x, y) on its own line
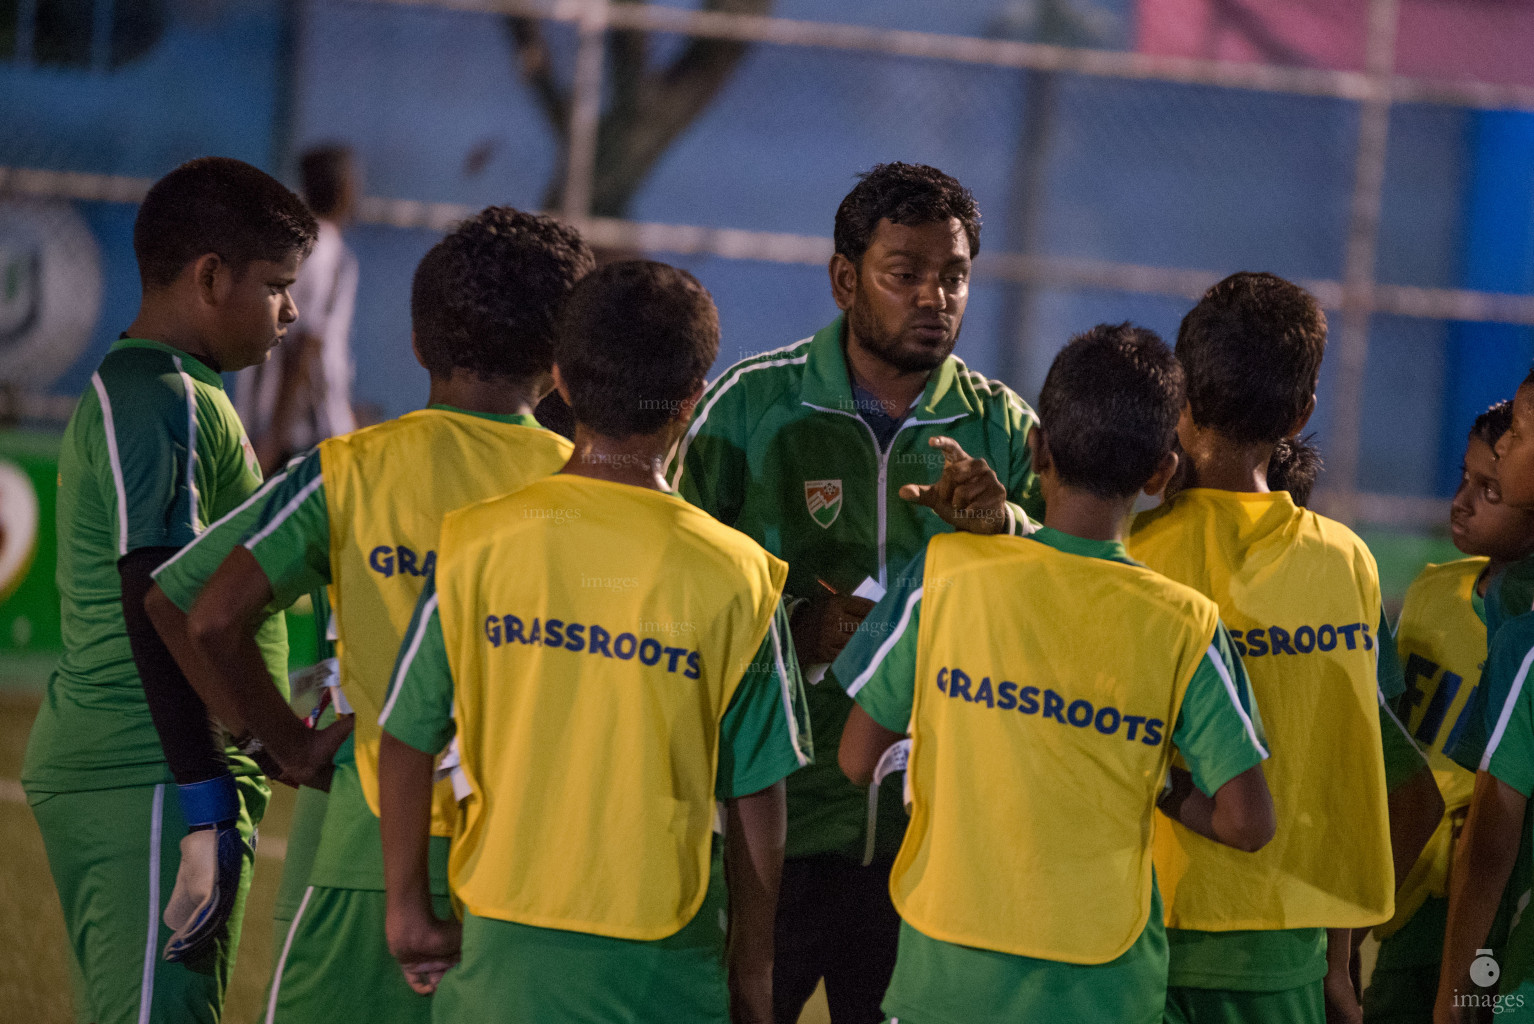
(1471, 979)
(1046, 682)
(359, 516)
(153, 453)
(1441, 642)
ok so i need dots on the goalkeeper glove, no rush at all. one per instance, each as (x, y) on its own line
(208, 879)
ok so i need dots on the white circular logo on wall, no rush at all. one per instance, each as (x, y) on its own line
(50, 290)
(19, 518)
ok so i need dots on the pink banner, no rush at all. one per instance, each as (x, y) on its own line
(1483, 40)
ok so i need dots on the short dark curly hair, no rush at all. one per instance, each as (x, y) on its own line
(1294, 466)
(216, 204)
(1252, 351)
(1493, 423)
(634, 342)
(903, 194)
(485, 298)
(1109, 408)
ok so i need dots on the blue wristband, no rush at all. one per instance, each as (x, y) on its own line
(210, 802)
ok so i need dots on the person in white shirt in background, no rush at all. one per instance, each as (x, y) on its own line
(302, 395)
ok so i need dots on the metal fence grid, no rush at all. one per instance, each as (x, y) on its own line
(1370, 97)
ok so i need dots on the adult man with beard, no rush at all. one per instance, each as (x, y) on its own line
(825, 452)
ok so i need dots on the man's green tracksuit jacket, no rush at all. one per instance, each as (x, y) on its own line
(777, 450)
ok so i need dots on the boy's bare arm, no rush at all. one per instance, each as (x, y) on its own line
(864, 741)
(1483, 862)
(215, 644)
(1339, 988)
(1240, 814)
(756, 831)
(1416, 808)
(424, 945)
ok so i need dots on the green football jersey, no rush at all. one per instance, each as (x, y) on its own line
(778, 450)
(153, 454)
(1509, 757)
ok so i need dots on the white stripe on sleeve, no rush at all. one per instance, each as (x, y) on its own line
(293, 505)
(734, 378)
(117, 466)
(191, 445)
(241, 507)
(888, 645)
(405, 662)
(1213, 655)
(1507, 710)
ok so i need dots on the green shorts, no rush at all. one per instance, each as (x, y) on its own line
(303, 842)
(937, 982)
(334, 964)
(332, 959)
(114, 854)
(1305, 1004)
(549, 976)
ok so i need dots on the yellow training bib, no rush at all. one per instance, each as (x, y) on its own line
(1300, 596)
(386, 490)
(596, 633)
(1441, 642)
(1047, 688)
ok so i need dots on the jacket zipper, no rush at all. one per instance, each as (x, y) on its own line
(882, 456)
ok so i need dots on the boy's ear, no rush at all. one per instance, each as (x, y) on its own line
(688, 404)
(844, 281)
(415, 350)
(1040, 450)
(1303, 418)
(1163, 475)
(212, 278)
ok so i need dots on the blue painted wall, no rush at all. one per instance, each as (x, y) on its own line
(1156, 174)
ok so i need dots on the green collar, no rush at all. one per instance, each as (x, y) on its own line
(827, 386)
(1477, 602)
(520, 419)
(190, 363)
(1113, 550)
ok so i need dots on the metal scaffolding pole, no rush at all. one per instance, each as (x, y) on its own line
(585, 112)
(1354, 300)
(1352, 350)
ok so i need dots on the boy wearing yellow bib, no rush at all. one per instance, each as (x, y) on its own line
(360, 515)
(1488, 871)
(1441, 642)
(1300, 593)
(1045, 682)
(611, 660)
